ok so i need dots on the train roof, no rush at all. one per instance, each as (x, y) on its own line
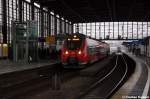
(84, 36)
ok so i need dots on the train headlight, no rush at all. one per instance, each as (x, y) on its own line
(79, 52)
(66, 52)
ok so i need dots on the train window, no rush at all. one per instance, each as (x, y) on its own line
(102, 50)
(91, 50)
(73, 44)
(97, 50)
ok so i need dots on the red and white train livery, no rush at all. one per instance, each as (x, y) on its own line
(80, 49)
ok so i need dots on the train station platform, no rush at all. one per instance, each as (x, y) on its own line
(7, 66)
(138, 85)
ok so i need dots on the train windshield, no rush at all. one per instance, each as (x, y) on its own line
(73, 44)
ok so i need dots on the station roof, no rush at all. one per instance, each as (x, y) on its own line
(78, 11)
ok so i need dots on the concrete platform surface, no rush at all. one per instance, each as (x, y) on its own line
(7, 66)
(138, 84)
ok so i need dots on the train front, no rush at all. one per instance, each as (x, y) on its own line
(73, 51)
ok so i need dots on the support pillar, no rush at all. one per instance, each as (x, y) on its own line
(95, 30)
(77, 28)
(42, 26)
(127, 30)
(60, 25)
(71, 28)
(4, 21)
(113, 30)
(64, 26)
(100, 30)
(104, 30)
(132, 31)
(55, 25)
(147, 29)
(86, 29)
(142, 30)
(42, 21)
(32, 9)
(20, 10)
(137, 30)
(68, 27)
(49, 22)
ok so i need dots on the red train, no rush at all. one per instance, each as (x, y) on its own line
(79, 49)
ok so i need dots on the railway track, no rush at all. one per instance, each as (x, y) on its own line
(108, 84)
(74, 84)
(17, 85)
